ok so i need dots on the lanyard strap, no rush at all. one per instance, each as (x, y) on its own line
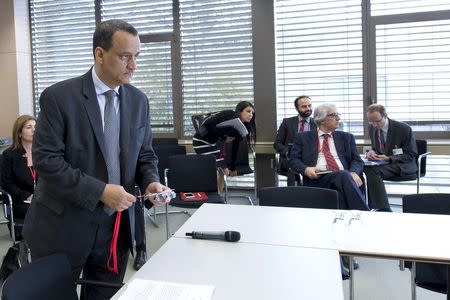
(113, 246)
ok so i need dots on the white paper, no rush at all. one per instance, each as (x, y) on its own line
(143, 289)
(236, 124)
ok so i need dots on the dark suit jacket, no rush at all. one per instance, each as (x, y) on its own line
(399, 135)
(68, 155)
(285, 136)
(16, 177)
(305, 152)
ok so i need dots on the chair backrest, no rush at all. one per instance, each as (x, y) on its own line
(421, 149)
(47, 278)
(299, 196)
(429, 276)
(157, 142)
(197, 120)
(164, 152)
(192, 173)
(242, 162)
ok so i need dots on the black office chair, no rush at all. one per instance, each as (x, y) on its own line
(163, 152)
(299, 196)
(426, 275)
(14, 224)
(242, 164)
(281, 166)
(192, 173)
(421, 165)
(46, 278)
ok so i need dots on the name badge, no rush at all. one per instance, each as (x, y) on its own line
(397, 151)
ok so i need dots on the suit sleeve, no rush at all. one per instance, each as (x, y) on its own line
(147, 165)
(409, 147)
(65, 182)
(7, 176)
(356, 163)
(279, 144)
(295, 162)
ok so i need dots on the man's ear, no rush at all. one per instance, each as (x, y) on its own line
(99, 54)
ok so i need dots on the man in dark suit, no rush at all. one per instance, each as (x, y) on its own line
(392, 142)
(287, 131)
(329, 159)
(85, 191)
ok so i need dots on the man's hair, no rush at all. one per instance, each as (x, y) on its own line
(298, 99)
(377, 108)
(104, 32)
(321, 112)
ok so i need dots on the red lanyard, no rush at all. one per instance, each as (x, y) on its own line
(113, 247)
(33, 174)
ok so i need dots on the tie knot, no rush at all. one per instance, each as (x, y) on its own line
(303, 121)
(110, 95)
(326, 136)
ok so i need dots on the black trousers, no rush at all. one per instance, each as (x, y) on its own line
(350, 195)
(377, 191)
(140, 226)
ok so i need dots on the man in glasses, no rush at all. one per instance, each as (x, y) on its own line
(394, 148)
(289, 128)
(329, 159)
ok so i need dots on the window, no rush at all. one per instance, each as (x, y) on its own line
(61, 33)
(216, 56)
(319, 54)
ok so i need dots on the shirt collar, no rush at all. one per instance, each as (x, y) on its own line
(321, 133)
(386, 125)
(307, 119)
(100, 86)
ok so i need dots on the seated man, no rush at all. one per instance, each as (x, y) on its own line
(394, 143)
(287, 131)
(329, 159)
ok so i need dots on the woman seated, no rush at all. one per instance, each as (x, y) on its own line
(18, 175)
(211, 138)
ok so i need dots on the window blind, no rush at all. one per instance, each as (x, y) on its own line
(390, 7)
(216, 55)
(61, 34)
(319, 54)
(153, 74)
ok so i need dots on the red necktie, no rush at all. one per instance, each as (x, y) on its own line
(301, 125)
(331, 162)
(113, 246)
(381, 139)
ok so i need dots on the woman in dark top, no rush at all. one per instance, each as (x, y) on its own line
(18, 175)
(211, 139)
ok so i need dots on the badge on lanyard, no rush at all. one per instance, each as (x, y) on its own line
(397, 151)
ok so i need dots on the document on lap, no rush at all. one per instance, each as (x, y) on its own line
(369, 162)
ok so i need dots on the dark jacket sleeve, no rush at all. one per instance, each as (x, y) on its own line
(297, 155)
(211, 122)
(356, 163)
(280, 141)
(407, 143)
(9, 175)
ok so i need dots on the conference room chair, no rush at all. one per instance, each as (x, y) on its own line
(243, 165)
(282, 169)
(426, 275)
(46, 278)
(163, 152)
(421, 162)
(192, 173)
(13, 223)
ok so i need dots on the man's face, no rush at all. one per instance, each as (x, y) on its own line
(304, 107)
(117, 65)
(331, 122)
(376, 119)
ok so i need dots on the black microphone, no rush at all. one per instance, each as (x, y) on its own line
(228, 236)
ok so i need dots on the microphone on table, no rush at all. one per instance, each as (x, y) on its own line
(228, 236)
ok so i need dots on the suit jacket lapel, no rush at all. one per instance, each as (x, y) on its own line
(389, 133)
(125, 117)
(339, 144)
(93, 110)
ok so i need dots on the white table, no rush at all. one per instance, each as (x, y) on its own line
(247, 270)
(375, 234)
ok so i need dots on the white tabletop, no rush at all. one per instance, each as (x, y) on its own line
(390, 235)
(247, 271)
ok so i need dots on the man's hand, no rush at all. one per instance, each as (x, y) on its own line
(382, 157)
(371, 155)
(153, 188)
(357, 179)
(311, 172)
(116, 197)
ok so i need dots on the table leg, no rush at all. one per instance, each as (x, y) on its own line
(352, 283)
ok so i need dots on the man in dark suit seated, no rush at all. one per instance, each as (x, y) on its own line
(287, 131)
(329, 159)
(392, 142)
